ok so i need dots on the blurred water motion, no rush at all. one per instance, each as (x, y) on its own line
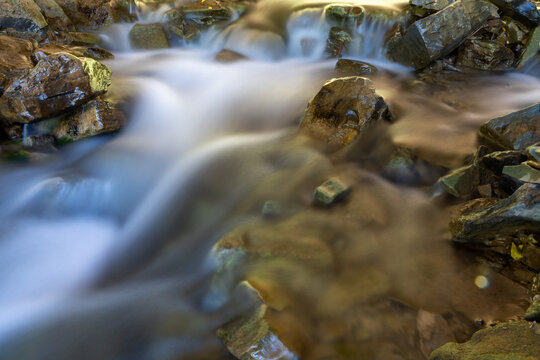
(106, 247)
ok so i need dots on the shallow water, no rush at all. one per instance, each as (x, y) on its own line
(106, 245)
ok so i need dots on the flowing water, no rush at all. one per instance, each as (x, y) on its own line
(106, 245)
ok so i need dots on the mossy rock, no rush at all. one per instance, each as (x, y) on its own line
(148, 36)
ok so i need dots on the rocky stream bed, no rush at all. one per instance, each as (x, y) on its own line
(272, 179)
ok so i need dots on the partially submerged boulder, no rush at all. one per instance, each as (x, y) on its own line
(344, 15)
(21, 15)
(512, 340)
(348, 67)
(338, 42)
(94, 118)
(57, 83)
(148, 36)
(343, 109)
(439, 34)
(515, 131)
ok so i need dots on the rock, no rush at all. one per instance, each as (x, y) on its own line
(515, 131)
(485, 191)
(43, 143)
(252, 338)
(488, 55)
(522, 10)
(14, 131)
(422, 8)
(338, 42)
(84, 38)
(496, 161)
(533, 152)
(229, 56)
(330, 192)
(519, 212)
(123, 10)
(439, 34)
(56, 18)
(343, 109)
(87, 13)
(272, 209)
(94, 118)
(517, 32)
(179, 28)
(344, 15)
(347, 67)
(57, 83)
(532, 48)
(148, 36)
(21, 15)
(79, 51)
(514, 340)
(521, 174)
(533, 312)
(462, 182)
(15, 59)
(404, 167)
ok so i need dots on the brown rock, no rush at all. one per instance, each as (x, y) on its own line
(227, 56)
(57, 83)
(78, 51)
(485, 55)
(54, 14)
(343, 109)
(15, 59)
(87, 13)
(148, 36)
(21, 15)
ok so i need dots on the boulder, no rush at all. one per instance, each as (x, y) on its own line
(54, 14)
(439, 34)
(515, 131)
(21, 15)
(422, 8)
(57, 83)
(338, 42)
(94, 118)
(522, 173)
(533, 152)
(519, 212)
(532, 48)
(148, 36)
(87, 13)
(522, 10)
(331, 192)
(488, 55)
(342, 110)
(344, 15)
(123, 10)
(513, 340)
(15, 59)
(348, 67)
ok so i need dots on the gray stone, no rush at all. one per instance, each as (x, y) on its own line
(437, 35)
(485, 55)
(521, 10)
(532, 48)
(422, 8)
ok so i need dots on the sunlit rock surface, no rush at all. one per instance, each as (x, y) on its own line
(15, 59)
(343, 109)
(148, 36)
(57, 83)
(22, 15)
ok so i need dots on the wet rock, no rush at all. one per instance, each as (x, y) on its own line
(423, 8)
(53, 13)
(516, 32)
(532, 48)
(487, 55)
(229, 56)
(206, 13)
(87, 13)
(439, 34)
(15, 59)
(44, 143)
(252, 337)
(517, 175)
(519, 212)
(348, 67)
(343, 109)
(95, 53)
(123, 10)
(338, 42)
(533, 152)
(94, 118)
(533, 312)
(405, 167)
(148, 36)
(57, 83)
(521, 10)
(330, 192)
(496, 161)
(344, 16)
(22, 15)
(179, 28)
(14, 131)
(272, 209)
(84, 38)
(515, 340)
(516, 131)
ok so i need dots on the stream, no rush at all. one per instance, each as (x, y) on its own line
(106, 246)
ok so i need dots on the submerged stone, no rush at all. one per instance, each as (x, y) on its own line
(57, 83)
(512, 341)
(439, 34)
(521, 10)
(342, 110)
(344, 15)
(348, 67)
(331, 192)
(148, 36)
(21, 15)
(516, 131)
(519, 212)
(94, 118)
(338, 42)
(487, 55)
